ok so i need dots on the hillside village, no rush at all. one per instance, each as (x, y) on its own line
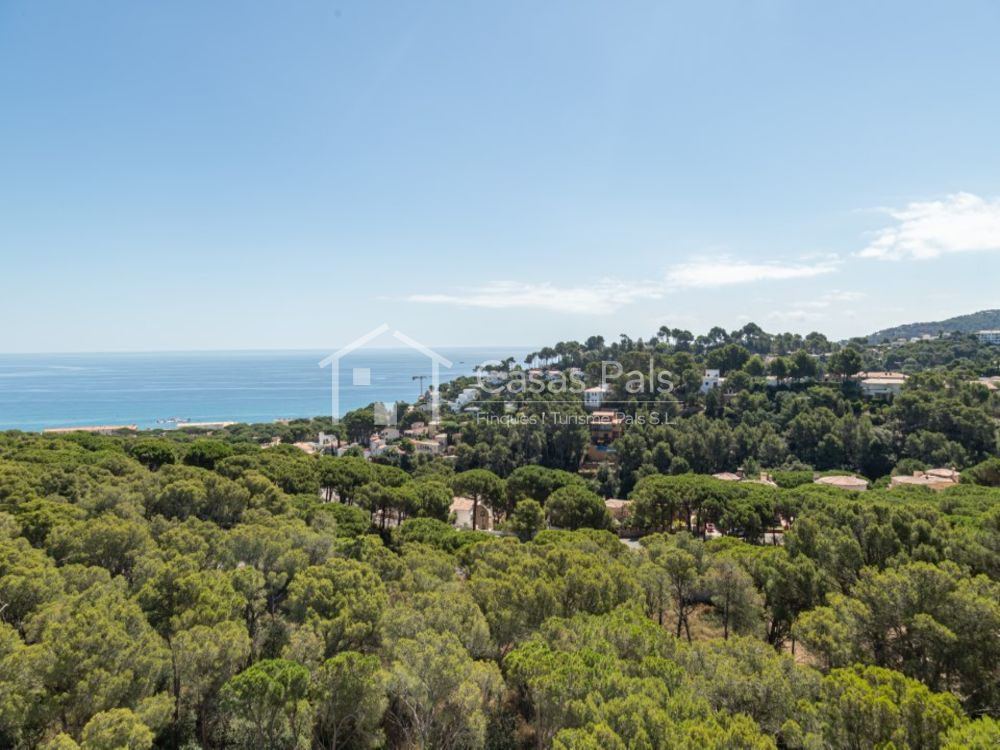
(602, 417)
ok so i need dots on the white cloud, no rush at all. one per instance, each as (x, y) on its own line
(831, 298)
(600, 298)
(796, 315)
(610, 295)
(959, 223)
(818, 308)
(718, 272)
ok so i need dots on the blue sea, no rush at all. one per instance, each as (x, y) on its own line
(65, 390)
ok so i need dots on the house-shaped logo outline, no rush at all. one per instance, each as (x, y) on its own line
(333, 361)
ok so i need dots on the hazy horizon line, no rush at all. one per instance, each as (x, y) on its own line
(256, 350)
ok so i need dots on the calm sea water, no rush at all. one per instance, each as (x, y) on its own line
(62, 390)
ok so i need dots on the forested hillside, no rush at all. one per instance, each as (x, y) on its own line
(977, 321)
(786, 402)
(199, 593)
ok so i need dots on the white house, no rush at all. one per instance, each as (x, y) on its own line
(593, 398)
(989, 337)
(461, 507)
(467, 396)
(377, 445)
(881, 384)
(712, 379)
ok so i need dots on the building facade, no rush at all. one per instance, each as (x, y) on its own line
(712, 379)
(594, 398)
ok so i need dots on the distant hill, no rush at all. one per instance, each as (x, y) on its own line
(971, 323)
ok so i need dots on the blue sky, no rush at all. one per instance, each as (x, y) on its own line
(193, 175)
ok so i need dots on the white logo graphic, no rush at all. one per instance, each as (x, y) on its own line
(385, 414)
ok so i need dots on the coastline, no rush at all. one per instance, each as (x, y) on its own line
(148, 390)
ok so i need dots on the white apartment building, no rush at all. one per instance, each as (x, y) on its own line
(593, 398)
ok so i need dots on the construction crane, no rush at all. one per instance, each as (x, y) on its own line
(421, 378)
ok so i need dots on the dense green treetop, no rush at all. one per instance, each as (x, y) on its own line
(202, 591)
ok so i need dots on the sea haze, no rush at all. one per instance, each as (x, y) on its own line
(62, 390)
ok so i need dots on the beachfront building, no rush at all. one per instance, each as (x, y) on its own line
(989, 337)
